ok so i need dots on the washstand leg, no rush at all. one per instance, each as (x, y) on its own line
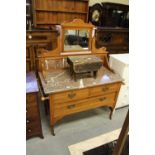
(111, 113)
(52, 131)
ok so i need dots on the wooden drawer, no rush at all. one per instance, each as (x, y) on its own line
(31, 111)
(70, 96)
(32, 129)
(100, 90)
(32, 125)
(29, 104)
(31, 120)
(73, 107)
(30, 98)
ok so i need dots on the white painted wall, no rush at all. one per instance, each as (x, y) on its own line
(92, 2)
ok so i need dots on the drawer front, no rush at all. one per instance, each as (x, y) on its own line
(33, 125)
(32, 129)
(71, 96)
(31, 111)
(73, 107)
(100, 90)
(31, 120)
(31, 99)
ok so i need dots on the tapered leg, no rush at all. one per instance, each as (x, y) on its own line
(52, 120)
(111, 113)
(52, 131)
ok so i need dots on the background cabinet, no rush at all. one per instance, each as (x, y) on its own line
(116, 40)
(38, 39)
(51, 12)
(112, 21)
(109, 15)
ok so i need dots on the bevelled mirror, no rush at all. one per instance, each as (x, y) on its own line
(76, 36)
(76, 40)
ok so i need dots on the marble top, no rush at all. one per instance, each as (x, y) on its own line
(61, 80)
(31, 83)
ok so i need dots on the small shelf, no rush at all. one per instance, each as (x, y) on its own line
(61, 11)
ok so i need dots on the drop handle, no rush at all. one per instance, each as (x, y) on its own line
(102, 99)
(30, 36)
(29, 130)
(71, 95)
(71, 106)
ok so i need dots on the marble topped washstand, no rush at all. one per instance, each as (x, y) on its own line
(67, 96)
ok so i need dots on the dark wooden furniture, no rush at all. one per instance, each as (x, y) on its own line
(35, 39)
(113, 26)
(47, 13)
(109, 15)
(67, 96)
(116, 40)
(115, 15)
(33, 122)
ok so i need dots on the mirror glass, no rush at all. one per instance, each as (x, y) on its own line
(76, 40)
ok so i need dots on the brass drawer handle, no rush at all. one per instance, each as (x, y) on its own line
(27, 121)
(29, 130)
(102, 99)
(105, 88)
(30, 36)
(71, 106)
(71, 95)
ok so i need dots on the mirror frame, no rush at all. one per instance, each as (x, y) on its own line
(77, 24)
